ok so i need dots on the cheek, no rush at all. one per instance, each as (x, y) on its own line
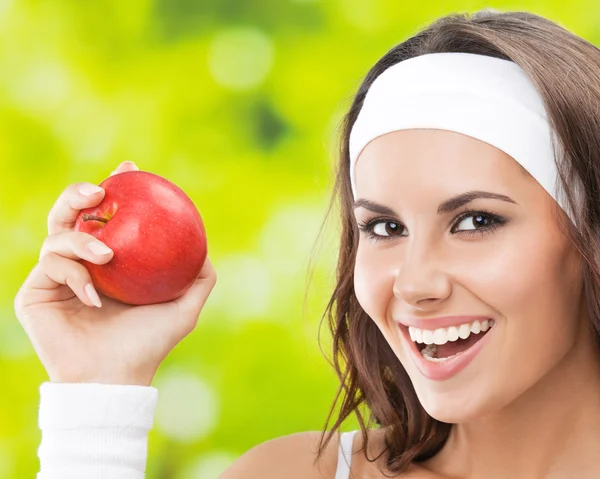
(534, 289)
(373, 283)
(532, 284)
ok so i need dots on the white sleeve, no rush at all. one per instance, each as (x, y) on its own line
(94, 431)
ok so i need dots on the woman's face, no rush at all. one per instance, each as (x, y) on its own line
(507, 263)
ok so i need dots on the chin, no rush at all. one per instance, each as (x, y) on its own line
(455, 407)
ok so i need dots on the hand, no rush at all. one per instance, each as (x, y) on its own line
(79, 342)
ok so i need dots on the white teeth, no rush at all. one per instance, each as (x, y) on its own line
(464, 330)
(452, 333)
(439, 336)
(437, 360)
(430, 353)
(430, 349)
(443, 335)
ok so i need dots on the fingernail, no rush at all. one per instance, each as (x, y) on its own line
(87, 189)
(91, 293)
(99, 248)
(131, 163)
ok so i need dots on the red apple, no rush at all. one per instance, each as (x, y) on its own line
(157, 236)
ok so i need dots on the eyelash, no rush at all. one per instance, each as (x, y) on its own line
(497, 221)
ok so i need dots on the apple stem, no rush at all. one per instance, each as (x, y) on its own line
(86, 217)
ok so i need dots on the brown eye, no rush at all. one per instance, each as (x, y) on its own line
(385, 228)
(379, 229)
(472, 222)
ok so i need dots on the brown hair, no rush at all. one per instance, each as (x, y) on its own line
(566, 71)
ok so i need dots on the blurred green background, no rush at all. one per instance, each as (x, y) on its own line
(237, 102)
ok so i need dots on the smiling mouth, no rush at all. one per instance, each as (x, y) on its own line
(442, 344)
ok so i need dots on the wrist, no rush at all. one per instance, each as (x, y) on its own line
(115, 379)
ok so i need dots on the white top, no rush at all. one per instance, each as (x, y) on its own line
(345, 455)
(94, 431)
(100, 431)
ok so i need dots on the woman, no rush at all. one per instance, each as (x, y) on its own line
(466, 310)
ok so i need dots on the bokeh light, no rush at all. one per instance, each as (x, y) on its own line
(240, 58)
(188, 409)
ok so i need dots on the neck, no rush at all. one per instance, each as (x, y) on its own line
(551, 431)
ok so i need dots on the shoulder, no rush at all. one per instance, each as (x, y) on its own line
(291, 456)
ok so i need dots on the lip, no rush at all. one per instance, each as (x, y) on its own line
(440, 322)
(446, 369)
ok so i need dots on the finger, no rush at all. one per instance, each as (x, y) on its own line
(54, 270)
(58, 256)
(125, 166)
(191, 303)
(77, 245)
(71, 201)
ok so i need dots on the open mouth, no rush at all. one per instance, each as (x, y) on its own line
(442, 344)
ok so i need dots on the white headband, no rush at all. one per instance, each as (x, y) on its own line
(484, 97)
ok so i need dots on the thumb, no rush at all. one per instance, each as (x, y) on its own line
(125, 166)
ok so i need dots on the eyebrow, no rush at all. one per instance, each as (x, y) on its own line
(446, 207)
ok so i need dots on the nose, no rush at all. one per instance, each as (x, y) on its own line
(420, 279)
